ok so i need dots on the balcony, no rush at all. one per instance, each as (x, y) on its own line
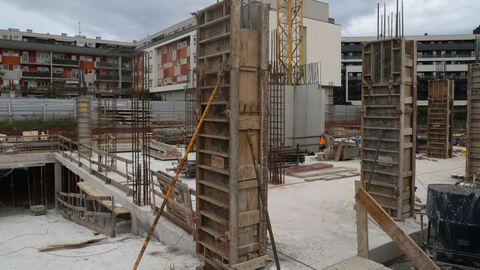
(458, 55)
(35, 61)
(107, 78)
(65, 62)
(106, 65)
(35, 74)
(62, 76)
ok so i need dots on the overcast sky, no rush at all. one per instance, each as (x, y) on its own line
(135, 19)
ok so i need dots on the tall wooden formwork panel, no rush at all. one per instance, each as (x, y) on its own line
(473, 122)
(389, 99)
(84, 120)
(233, 41)
(440, 118)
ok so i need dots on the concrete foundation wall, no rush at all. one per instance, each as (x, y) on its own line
(305, 112)
(9, 161)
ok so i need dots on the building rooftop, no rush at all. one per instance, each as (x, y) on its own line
(415, 37)
(18, 35)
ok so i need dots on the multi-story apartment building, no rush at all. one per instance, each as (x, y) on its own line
(172, 54)
(34, 63)
(173, 51)
(439, 56)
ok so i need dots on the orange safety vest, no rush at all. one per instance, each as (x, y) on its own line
(322, 139)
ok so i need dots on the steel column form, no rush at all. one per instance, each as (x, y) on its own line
(389, 97)
(232, 41)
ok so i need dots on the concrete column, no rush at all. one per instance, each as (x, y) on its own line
(119, 74)
(51, 68)
(58, 177)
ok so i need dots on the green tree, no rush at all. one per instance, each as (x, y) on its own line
(56, 89)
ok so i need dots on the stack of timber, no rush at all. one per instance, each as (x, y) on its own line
(389, 100)
(290, 156)
(231, 228)
(440, 118)
(163, 151)
(473, 122)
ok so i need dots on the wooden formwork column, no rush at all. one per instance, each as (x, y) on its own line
(389, 96)
(84, 120)
(230, 229)
(440, 118)
(473, 122)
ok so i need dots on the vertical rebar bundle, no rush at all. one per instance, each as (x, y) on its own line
(387, 27)
(106, 125)
(189, 122)
(276, 138)
(141, 130)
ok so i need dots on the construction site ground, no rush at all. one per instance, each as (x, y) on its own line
(314, 225)
(22, 234)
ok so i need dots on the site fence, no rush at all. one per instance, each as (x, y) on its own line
(47, 109)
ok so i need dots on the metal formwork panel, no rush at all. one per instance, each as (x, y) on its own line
(389, 124)
(84, 120)
(230, 229)
(473, 122)
(440, 118)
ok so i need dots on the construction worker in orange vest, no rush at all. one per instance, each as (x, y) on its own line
(322, 142)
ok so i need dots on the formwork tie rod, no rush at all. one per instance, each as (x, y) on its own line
(181, 165)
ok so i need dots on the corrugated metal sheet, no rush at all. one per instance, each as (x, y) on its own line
(24, 108)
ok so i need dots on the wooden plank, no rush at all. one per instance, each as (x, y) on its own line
(248, 218)
(403, 241)
(70, 245)
(93, 192)
(249, 122)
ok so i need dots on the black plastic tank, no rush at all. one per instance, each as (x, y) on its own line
(454, 222)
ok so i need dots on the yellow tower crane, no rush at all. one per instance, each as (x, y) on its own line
(290, 37)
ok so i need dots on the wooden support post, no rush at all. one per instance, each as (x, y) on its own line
(362, 225)
(403, 241)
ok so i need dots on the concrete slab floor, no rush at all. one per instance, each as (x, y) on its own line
(315, 223)
(22, 234)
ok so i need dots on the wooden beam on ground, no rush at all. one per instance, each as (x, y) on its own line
(75, 244)
(403, 241)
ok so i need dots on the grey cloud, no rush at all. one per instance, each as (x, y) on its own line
(122, 19)
(135, 19)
